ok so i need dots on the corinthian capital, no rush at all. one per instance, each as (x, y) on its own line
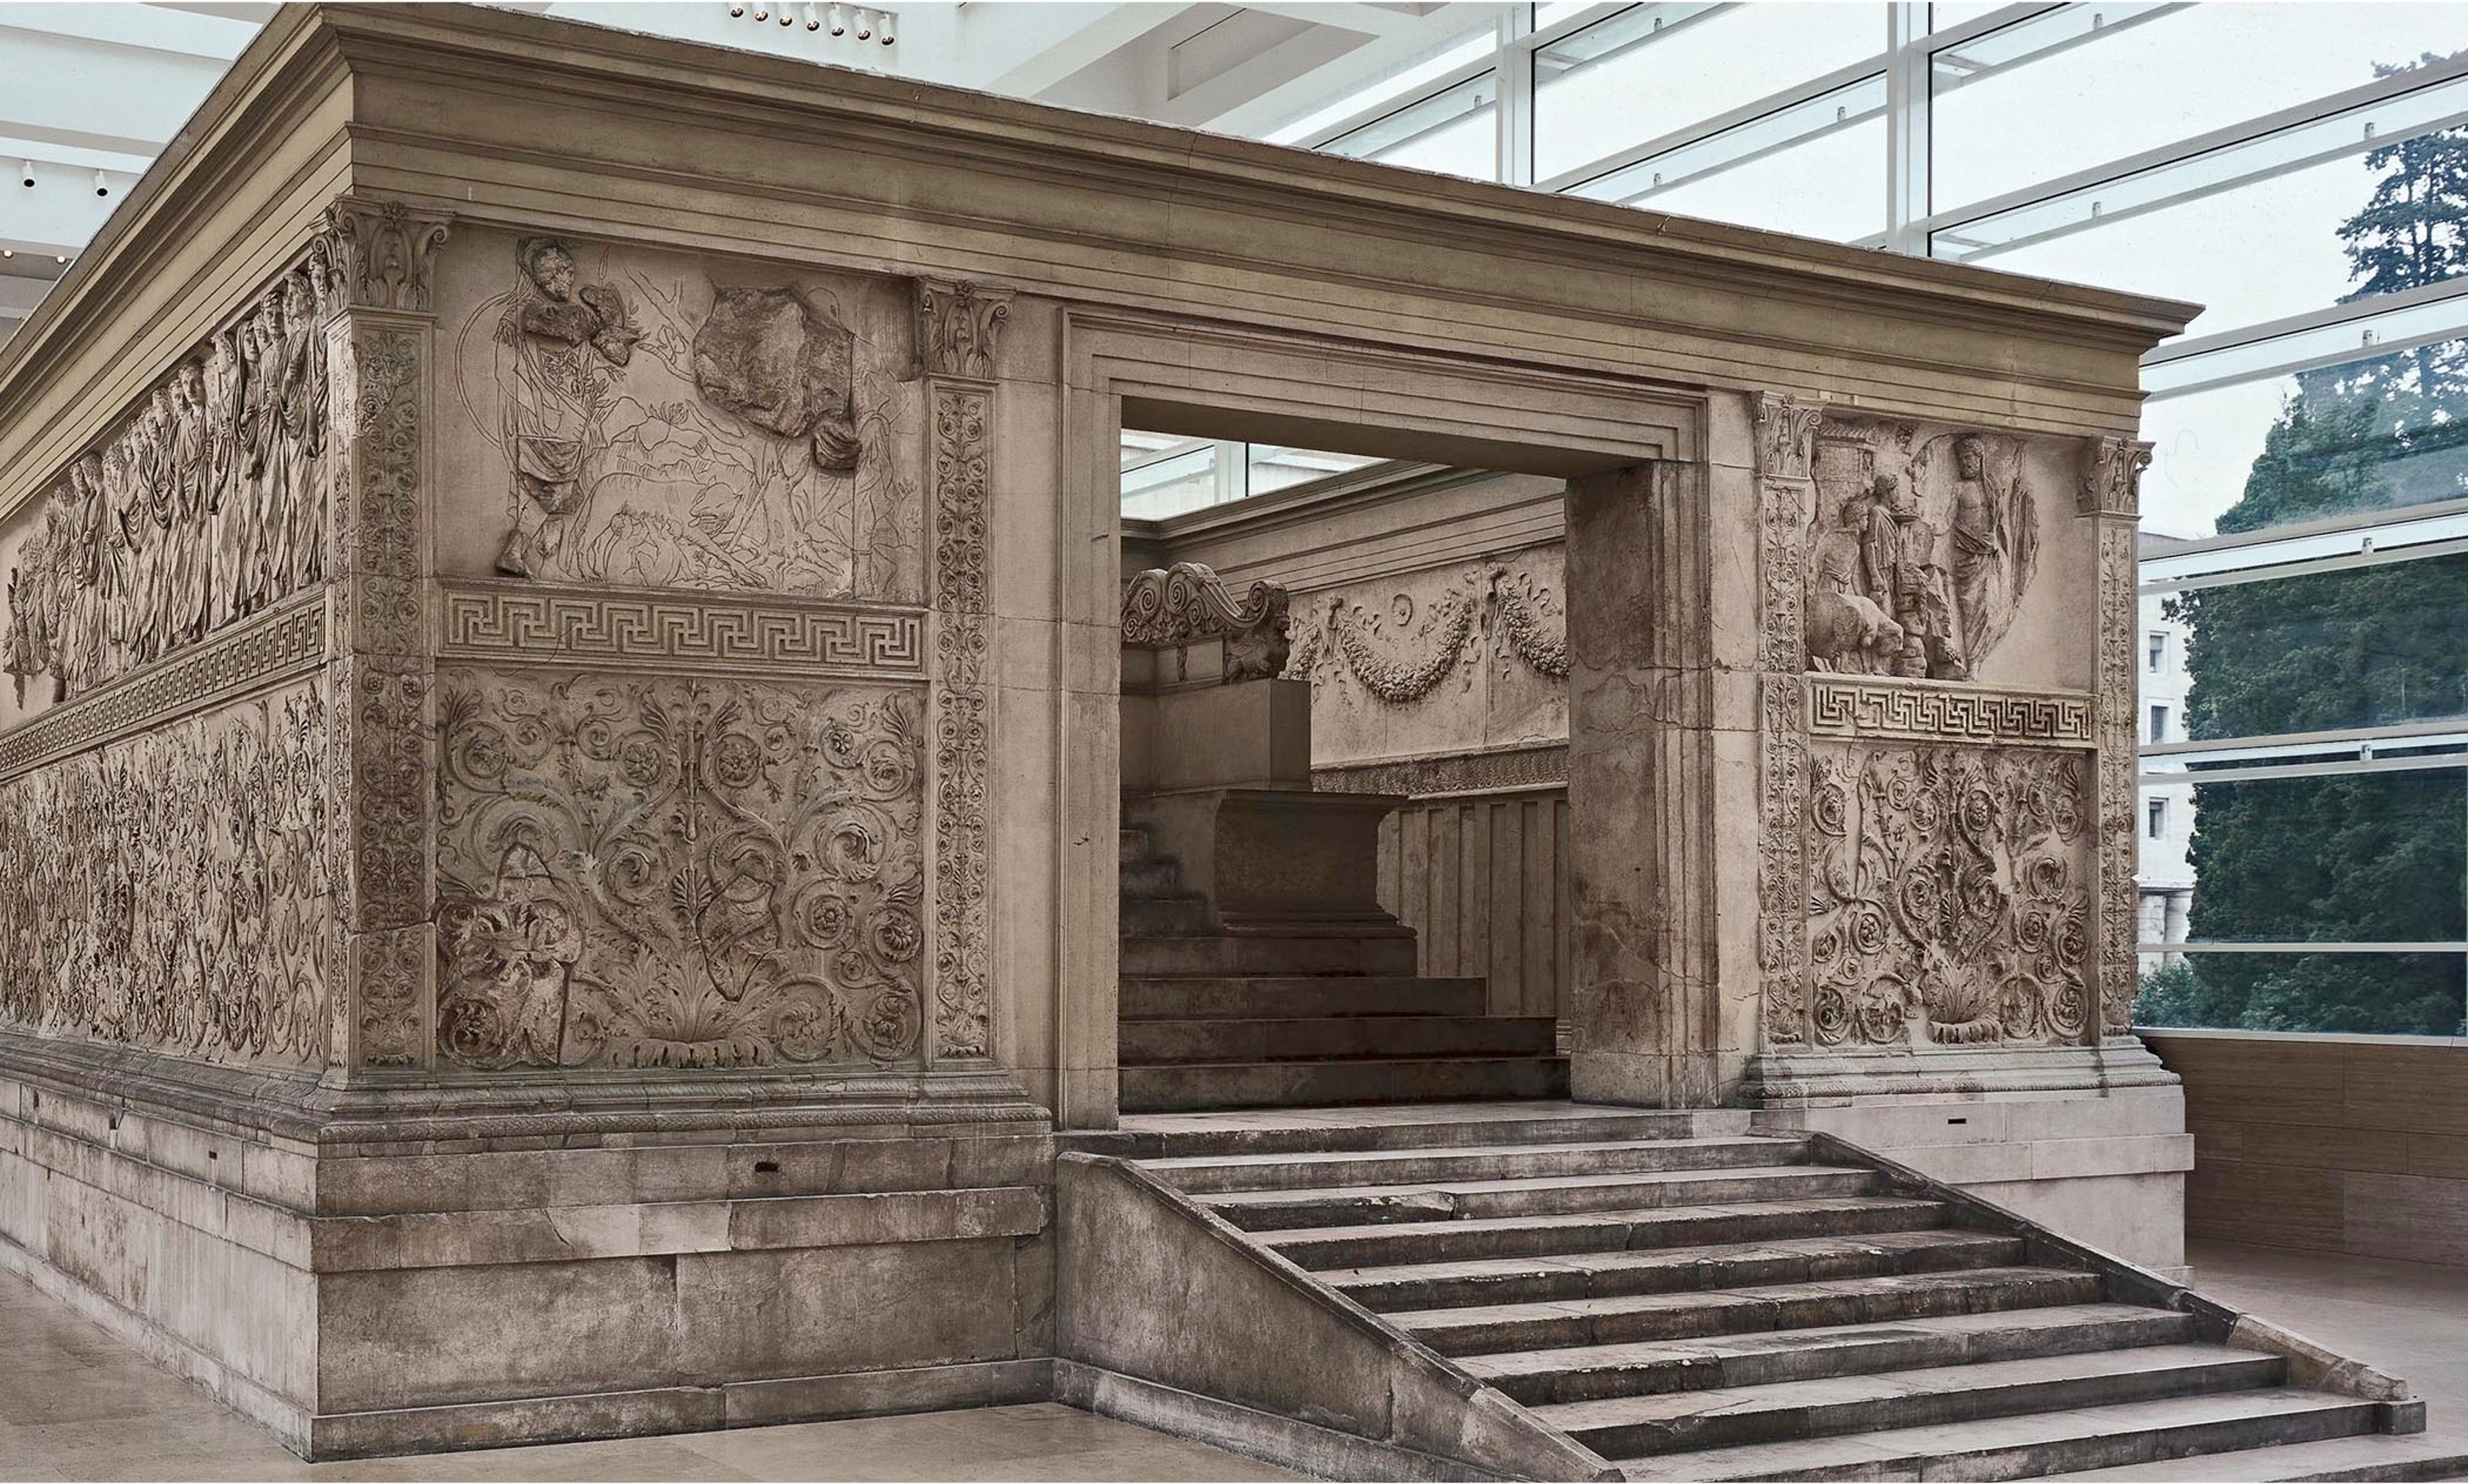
(2112, 478)
(957, 326)
(382, 254)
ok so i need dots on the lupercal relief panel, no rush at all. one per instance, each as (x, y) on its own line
(171, 889)
(640, 419)
(654, 872)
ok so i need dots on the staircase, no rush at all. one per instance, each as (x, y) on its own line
(1688, 1300)
(1217, 1019)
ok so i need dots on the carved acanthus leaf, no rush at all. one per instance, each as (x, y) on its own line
(1187, 603)
(958, 327)
(383, 255)
(2112, 483)
(1786, 435)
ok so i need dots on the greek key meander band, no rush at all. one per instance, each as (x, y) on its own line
(278, 646)
(1842, 706)
(584, 627)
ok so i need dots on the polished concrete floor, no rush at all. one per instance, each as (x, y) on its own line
(74, 1405)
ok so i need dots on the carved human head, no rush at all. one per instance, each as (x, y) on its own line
(1969, 456)
(191, 383)
(550, 266)
(297, 302)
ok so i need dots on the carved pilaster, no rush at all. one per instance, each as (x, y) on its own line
(2110, 496)
(385, 749)
(957, 327)
(962, 415)
(382, 254)
(1786, 495)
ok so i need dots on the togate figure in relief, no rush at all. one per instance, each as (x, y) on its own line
(1922, 553)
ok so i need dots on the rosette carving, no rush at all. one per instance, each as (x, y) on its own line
(1950, 896)
(640, 873)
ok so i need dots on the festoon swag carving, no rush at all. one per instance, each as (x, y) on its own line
(1174, 607)
(171, 890)
(1921, 547)
(1488, 605)
(1949, 895)
(670, 873)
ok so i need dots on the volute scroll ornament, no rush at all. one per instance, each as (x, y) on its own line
(1188, 604)
(958, 324)
(382, 254)
(2112, 478)
(1786, 434)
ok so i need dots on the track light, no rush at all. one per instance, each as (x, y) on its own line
(865, 24)
(26, 174)
(885, 36)
(814, 16)
(101, 186)
(735, 11)
(839, 20)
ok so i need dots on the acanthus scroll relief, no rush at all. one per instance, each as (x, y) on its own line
(1186, 603)
(962, 729)
(660, 428)
(171, 890)
(652, 873)
(1921, 544)
(1948, 894)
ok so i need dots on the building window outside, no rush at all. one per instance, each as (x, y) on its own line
(2159, 819)
(2159, 653)
(2158, 724)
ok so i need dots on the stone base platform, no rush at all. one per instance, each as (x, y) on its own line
(375, 1272)
(2089, 1141)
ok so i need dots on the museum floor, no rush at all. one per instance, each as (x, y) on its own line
(78, 1405)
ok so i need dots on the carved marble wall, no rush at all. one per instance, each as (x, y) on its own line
(1937, 840)
(172, 889)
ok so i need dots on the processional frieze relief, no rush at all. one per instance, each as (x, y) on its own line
(649, 871)
(172, 889)
(655, 420)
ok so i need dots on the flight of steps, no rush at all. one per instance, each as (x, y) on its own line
(1694, 1302)
(1214, 1019)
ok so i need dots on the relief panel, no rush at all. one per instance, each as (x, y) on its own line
(661, 872)
(1940, 553)
(1948, 894)
(172, 890)
(1462, 658)
(643, 418)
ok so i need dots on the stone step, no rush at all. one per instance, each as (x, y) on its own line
(1149, 879)
(1535, 1280)
(1350, 1245)
(2032, 1447)
(1164, 917)
(1832, 1407)
(1590, 1372)
(2373, 1456)
(1490, 1328)
(1320, 1170)
(1133, 847)
(1206, 1085)
(1270, 1210)
(1332, 1037)
(1262, 997)
(1411, 1125)
(1217, 956)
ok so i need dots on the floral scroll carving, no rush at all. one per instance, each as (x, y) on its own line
(1949, 894)
(172, 890)
(667, 873)
(1187, 603)
(963, 740)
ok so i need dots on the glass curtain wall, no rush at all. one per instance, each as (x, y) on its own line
(2300, 168)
